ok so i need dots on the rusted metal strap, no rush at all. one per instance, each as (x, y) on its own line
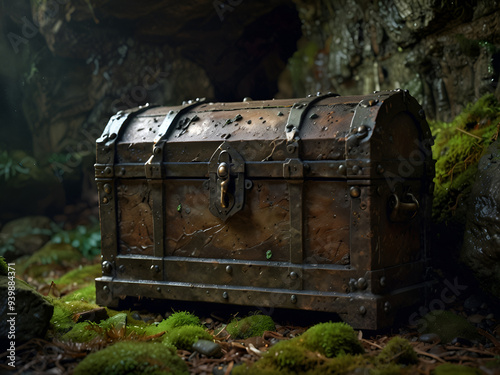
(295, 196)
(157, 188)
(109, 224)
(297, 114)
(153, 167)
(106, 142)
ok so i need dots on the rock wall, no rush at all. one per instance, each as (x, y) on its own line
(446, 53)
(70, 64)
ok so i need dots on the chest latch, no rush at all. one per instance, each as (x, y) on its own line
(227, 182)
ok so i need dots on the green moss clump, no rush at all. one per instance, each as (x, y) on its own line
(398, 350)
(251, 326)
(4, 268)
(181, 318)
(451, 369)
(85, 294)
(80, 333)
(457, 149)
(80, 276)
(184, 337)
(332, 339)
(290, 357)
(447, 326)
(176, 320)
(326, 348)
(133, 358)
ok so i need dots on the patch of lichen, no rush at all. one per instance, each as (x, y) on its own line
(4, 268)
(129, 357)
(452, 369)
(251, 326)
(184, 337)
(458, 147)
(447, 326)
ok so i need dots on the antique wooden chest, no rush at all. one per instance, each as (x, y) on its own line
(317, 203)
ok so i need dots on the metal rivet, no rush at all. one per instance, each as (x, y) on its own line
(155, 268)
(106, 288)
(355, 192)
(121, 268)
(225, 295)
(247, 99)
(380, 169)
(157, 150)
(387, 307)
(421, 113)
(107, 267)
(112, 136)
(107, 188)
(108, 170)
(383, 281)
(313, 116)
(280, 113)
(293, 298)
(356, 169)
(290, 149)
(105, 200)
(158, 289)
(122, 172)
(293, 275)
(362, 284)
(342, 169)
(362, 310)
(229, 269)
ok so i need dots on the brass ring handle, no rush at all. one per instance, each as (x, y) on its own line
(403, 211)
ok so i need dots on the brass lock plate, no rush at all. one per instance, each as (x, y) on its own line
(226, 182)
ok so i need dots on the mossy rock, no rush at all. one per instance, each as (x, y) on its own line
(184, 337)
(447, 326)
(399, 351)
(457, 149)
(133, 358)
(251, 326)
(452, 369)
(62, 319)
(331, 339)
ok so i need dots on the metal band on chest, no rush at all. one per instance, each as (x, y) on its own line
(153, 167)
